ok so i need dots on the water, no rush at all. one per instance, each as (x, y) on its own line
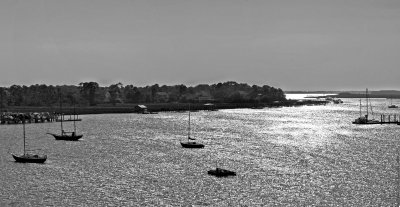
(299, 96)
(294, 156)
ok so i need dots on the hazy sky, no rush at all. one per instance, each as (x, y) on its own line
(290, 44)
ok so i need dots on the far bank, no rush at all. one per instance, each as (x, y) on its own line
(157, 107)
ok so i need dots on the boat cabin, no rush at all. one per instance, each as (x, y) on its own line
(141, 109)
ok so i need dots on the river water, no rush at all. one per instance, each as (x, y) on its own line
(292, 156)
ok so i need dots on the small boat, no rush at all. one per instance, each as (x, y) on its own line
(67, 136)
(219, 172)
(337, 101)
(190, 143)
(392, 106)
(28, 157)
(364, 119)
(328, 98)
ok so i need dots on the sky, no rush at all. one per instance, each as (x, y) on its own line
(288, 44)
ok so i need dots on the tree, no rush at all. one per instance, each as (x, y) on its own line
(91, 93)
(236, 97)
(16, 95)
(154, 89)
(115, 91)
(2, 97)
(88, 91)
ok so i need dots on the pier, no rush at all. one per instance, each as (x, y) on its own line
(385, 119)
(390, 119)
(31, 117)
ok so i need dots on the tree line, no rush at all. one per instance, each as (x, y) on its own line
(91, 94)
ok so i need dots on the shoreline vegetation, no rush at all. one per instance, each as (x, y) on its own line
(90, 98)
(160, 107)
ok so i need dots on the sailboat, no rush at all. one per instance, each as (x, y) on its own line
(364, 119)
(219, 172)
(68, 136)
(190, 143)
(28, 157)
(392, 106)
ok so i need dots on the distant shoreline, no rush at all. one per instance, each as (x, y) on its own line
(352, 94)
(349, 95)
(159, 107)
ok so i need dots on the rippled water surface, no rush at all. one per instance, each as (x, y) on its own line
(294, 156)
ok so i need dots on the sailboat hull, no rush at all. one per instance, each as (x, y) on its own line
(221, 172)
(67, 137)
(30, 158)
(192, 145)
(363, 120)
(368, 122)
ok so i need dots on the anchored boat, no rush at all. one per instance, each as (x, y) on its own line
(67, 136)
(219, 172)
(190, 143)
(28, 157)
(365, 119)
(392, 106)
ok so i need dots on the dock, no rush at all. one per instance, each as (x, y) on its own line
(30, 117)
(390, 119)
(385, 119)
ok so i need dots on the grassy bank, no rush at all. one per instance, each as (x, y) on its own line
(156, 107)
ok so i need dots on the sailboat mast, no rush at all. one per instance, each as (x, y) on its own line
(360, 108)
(189, 124)
(74, 118)
(61, 114)
(23, 126)
(366, 97)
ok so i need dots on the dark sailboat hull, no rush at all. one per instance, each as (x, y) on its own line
(67, 137)
(366, 123)
(30, 159)
(221, 172)
(362, 121)
(192, 145)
